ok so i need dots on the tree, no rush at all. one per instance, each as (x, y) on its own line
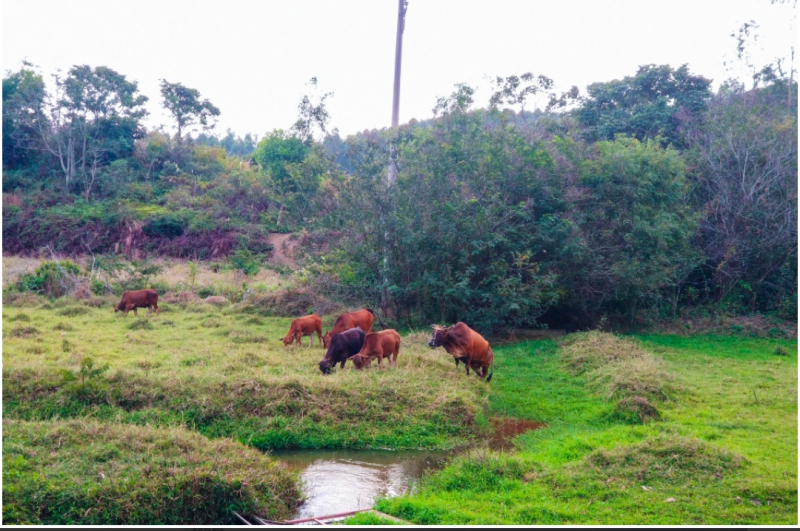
(631, 246)
(745, 158)
(312, 117)
(92, 118)
(184, 104)
(652, 103)
(24, 97)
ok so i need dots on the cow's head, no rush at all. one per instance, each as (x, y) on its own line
(288, 340)
(439, 333)
(361, 361)
(325, 366)
(119, 308)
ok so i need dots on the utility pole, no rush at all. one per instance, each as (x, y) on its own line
(402, 6)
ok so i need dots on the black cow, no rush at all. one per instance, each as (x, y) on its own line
(342, 347)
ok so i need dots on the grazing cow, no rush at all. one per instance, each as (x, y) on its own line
(342, 347)
(383, 344)
(364, 319)
(465, 345)
(304, 326)
(143, 298)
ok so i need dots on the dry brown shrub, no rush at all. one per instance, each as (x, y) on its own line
(22, 300)
(217, 300)
(183, 297)
(637, 409)
(289, 303)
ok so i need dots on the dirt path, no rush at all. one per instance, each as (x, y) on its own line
(283, 249)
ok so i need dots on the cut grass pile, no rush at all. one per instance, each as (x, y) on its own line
(226, 374)
(91, 473)
(724, 451)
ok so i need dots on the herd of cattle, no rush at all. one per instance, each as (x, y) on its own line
(352, 338)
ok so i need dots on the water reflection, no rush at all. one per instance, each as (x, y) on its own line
(337, 481)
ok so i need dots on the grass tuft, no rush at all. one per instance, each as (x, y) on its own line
(141, 324)
(666, 457)
(91, 473)
(23, 331)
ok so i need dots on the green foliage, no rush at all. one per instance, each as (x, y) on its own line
(51, 279)
(648, 105)
(244, 260)
(184, 104)
(168, 225)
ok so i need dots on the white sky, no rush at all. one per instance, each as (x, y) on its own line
(252, 58)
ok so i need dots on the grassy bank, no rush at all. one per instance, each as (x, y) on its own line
(724, 451)
(227, 374)
(87, 472)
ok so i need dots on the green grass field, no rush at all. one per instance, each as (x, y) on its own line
(723, 450)
(227, 374)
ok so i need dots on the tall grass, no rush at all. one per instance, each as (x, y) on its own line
(91, 473)
(226, 374)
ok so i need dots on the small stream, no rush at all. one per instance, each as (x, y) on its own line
(337, 481)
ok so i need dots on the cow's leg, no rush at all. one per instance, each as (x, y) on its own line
(343, 362)
(135, 312)
(311, 340)
(467, 364)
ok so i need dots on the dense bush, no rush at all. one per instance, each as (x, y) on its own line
(52, 279)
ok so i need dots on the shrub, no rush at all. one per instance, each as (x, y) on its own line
(244, 260)
(52, 279)
(165, 226)
(206, 291)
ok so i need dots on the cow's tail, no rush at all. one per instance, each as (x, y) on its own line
(491, 367)
(377, 317)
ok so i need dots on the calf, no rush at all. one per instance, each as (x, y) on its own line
(304, 326)
(144, 298)
(363, 319)
(383, 344)
(342, 347)
(465, 345)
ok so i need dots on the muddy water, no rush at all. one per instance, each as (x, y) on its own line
(505, 429)
(337, 481)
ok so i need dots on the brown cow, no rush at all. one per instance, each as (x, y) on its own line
(465, 345)
(143, 298)
(383, 344)
(363, 319)
(304, 326)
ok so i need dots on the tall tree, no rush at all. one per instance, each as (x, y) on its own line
(93, 117)
(652, 103)
(185, 105)
(312, 117)
(23, 102)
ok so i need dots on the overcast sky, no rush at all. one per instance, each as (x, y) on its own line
(253, 58)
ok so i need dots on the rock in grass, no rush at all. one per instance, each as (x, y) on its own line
(93, 473)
